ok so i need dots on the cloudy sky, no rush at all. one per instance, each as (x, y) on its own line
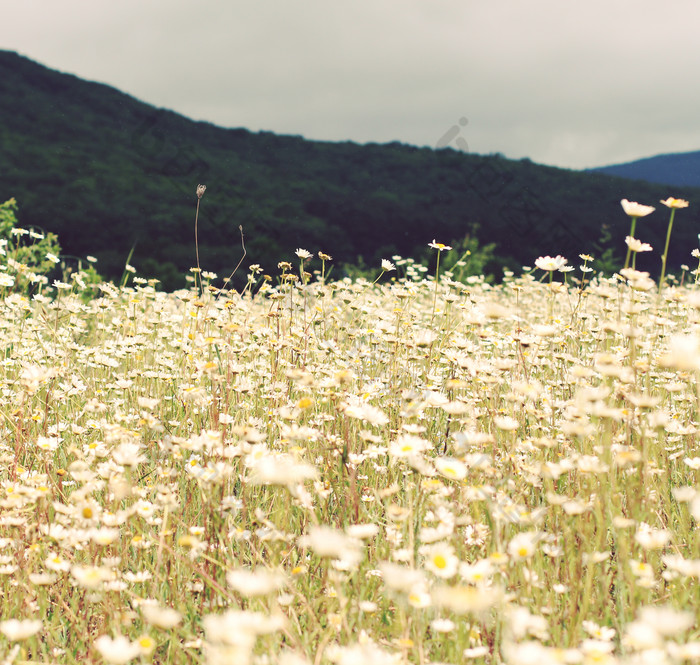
(565, 83)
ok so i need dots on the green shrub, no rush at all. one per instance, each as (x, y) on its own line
(30, 257)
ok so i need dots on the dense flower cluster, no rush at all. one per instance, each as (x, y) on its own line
(411, 470)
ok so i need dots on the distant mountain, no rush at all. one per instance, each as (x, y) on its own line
(109, 174)
(680, 169)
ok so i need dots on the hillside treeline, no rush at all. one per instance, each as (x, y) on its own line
(109, 174)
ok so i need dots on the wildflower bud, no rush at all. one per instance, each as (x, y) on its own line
(200, 191)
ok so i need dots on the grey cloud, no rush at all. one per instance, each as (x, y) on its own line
(569, 84)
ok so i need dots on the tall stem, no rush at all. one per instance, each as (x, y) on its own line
(196, 248)
(437, 279)
(629, 251)
(665, 256)
(200, 193)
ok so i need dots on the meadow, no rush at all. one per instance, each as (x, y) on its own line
(411, 468)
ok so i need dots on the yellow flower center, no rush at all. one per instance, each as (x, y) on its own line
(440, 562)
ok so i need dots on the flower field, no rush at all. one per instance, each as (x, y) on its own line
(411, 470)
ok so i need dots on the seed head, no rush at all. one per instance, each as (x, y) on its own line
(200, 191)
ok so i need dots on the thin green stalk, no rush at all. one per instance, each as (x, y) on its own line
(378, 277)
(125, 274)
(629, 251)
(665, 256)
(196, 245)
(200, 193)
(437, 282)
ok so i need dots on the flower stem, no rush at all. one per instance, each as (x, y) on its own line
(378, 277)
(665, 256)
(196, 249)
(629, 251)
(437, 280)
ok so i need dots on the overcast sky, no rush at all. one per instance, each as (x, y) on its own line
(565, 83)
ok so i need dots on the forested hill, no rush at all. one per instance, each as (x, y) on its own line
(679, 169)
(108, 173)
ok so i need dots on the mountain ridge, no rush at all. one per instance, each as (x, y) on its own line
(109, 173)
(678, 169)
